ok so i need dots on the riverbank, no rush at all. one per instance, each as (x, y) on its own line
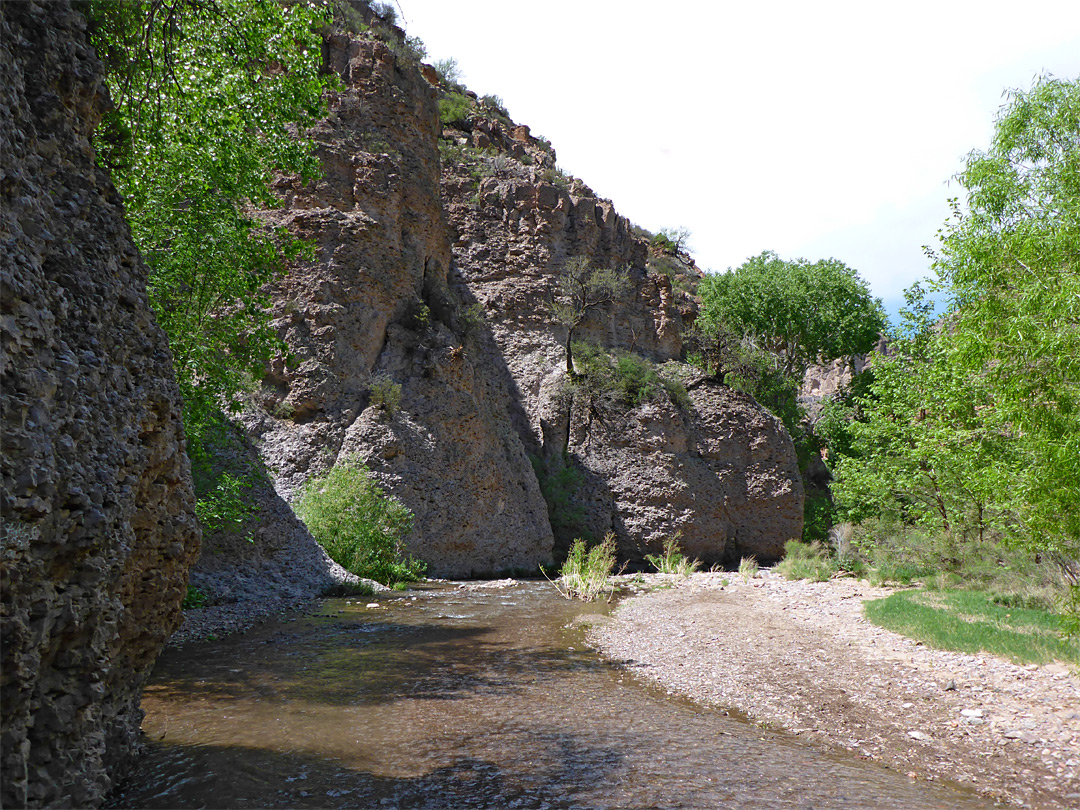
(801, 657)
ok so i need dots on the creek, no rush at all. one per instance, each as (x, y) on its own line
(453, 696)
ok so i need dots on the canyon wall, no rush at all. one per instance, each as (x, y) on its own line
(98, 522)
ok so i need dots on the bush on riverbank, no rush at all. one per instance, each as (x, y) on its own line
(587, 572)
(672, 560)
(361, 528)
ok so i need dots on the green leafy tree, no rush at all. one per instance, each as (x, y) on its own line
(1011, 263)
(583, 289)
(928, 449)
(800, 312)
(209, 96)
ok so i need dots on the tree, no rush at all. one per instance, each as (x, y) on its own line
(209, 95)
(802, 313)
(927, 447)
(581, 290)
(1011, 265)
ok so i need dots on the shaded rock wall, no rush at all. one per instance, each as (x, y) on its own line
(375, 303)
(722, 474)
(98, 524)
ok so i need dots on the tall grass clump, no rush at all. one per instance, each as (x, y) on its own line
(672, 560)
(586, 573)
(805, 561)
(361, 528)
(748, 569)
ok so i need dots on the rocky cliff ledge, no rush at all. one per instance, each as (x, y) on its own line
(438, 253)
(98, 523)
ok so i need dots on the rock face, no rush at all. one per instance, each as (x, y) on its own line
(98, 523)
(374, 307)
(444, 302)
(721, 473)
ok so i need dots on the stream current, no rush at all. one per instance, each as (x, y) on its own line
(446, 697)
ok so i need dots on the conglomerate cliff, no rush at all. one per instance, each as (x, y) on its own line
(98, 521)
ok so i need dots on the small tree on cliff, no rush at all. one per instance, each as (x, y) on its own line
(582, 289)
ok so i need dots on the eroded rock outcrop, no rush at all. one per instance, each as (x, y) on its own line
(98, 523)
(375, 305)
(720, 470)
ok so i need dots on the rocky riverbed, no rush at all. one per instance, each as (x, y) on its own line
(801, 656)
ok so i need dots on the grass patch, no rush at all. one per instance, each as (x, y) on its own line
(586, 574)
(805, 561)
(748, 568)
(672, 560)
(972, 622)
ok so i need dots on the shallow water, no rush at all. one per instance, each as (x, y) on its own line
(446, 698)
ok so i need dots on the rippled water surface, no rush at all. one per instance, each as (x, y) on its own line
(446, 698)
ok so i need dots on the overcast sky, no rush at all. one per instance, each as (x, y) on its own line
(814, 129)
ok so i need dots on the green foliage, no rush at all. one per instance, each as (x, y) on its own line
(385, 393)
(1011, 264)
(194, 598)
(449, 72)
(671, 240)
(470, 320)
(207, 98)
(360, 527)
(409, 51)
(968, 432)
(805, 561)
(556, 176)
(581, 290)
(672, 560)
(800, 312)
(222, 476)
(454, 110)
(971, 622)
(586, 574)
(619, 381)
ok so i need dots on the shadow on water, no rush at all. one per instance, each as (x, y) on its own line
(449, 698)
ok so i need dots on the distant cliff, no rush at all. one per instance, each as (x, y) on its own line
(98, 521)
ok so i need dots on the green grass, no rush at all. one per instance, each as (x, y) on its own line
(672, 560)
(972, 622)
(587, 572)
(802, 561)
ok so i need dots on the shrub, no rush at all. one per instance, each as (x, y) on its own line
(385, 393)
(672, 560)
(559, 484)
(449, 72)
(802, 561)
(360, 527)
(622, 380)
(586, 573)
(454, 110)
(194, 598)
